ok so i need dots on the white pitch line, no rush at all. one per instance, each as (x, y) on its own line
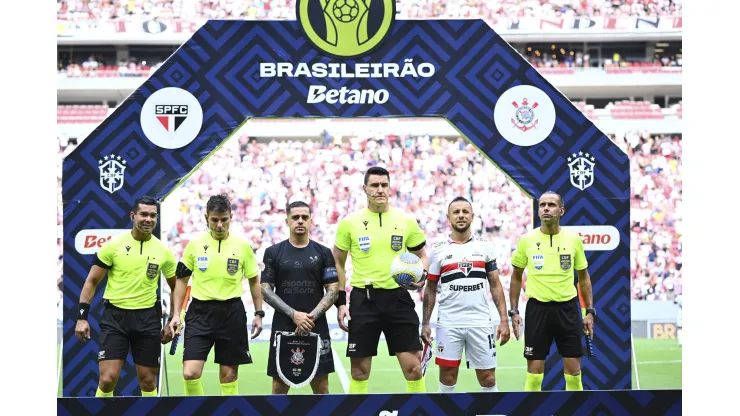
(634, 358)
(59, 366)
(342, 373)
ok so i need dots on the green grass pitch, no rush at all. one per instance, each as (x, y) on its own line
(658, 365)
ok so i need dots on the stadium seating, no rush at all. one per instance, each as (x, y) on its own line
(635, 110)
(428, 171)
(272, 9)
(81, 114)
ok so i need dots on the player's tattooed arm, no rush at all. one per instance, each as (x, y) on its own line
(274, 300)
(332, 291)
(430, 299)
(497, 293)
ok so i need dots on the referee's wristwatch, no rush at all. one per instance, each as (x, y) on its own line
(513, 312)
(261, 314)
(591, 311)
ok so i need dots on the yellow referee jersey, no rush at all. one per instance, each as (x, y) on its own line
(374, 240)
(219, 266)
(550, 261)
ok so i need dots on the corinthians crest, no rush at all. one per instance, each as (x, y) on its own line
(297, 357)
(581, 170)
(112, 170)
(524, 118)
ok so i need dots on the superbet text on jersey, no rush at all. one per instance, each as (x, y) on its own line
(462, 272)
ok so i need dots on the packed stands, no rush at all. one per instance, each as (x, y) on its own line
(261, 177)
(80, 10)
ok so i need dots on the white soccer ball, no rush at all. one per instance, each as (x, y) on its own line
(407, 268)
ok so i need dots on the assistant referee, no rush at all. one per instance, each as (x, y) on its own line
(216, 317)
(374, 236)
(134, 262)
(550, 254)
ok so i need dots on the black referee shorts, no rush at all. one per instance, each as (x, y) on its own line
(548, 321)
(139, 328)
(222, 323)
(391, 311)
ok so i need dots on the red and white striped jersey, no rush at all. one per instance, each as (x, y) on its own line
(462, 273)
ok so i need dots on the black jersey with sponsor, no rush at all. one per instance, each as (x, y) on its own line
(299, 276)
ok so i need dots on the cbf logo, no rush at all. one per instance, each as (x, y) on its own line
(112, 169)
(346, 29)
(581, 170)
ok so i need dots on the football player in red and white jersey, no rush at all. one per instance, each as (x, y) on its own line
(462, 265)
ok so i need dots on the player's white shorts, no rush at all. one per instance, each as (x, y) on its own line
(679, 318)
(479, 344)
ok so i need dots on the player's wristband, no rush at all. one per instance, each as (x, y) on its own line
(341, 299)
(83, 310)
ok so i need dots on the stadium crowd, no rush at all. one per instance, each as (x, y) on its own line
(489, 10)
(261, 177)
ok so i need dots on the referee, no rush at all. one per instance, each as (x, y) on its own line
(297, 272)
(132, 316)
(553, 311)
(374, 236)
(217, 262)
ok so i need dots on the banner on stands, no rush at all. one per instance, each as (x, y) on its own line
(573, 28)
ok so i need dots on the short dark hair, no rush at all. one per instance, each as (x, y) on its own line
(218, 203)
(377, 170)
(459, 198)
(297, 204)
(560, 198)
(144, 200)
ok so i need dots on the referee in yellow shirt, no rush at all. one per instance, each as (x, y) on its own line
(216, 318)
(374, 236)
(553, 310)
(132, 315)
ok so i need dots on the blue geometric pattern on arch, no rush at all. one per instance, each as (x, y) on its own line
(219, 65)
(617, 403)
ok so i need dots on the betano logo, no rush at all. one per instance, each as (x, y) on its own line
(597, 237)
(90, 241)
(346, 29)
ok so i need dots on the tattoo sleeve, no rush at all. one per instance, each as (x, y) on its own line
(332, 291)
(430, 298)
(274, 300)
(497, 294)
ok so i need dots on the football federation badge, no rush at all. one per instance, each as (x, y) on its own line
(581, 170)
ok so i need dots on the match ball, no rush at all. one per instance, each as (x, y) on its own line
(407, 268)
(346, 11)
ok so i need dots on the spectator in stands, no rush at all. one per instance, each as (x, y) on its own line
(489, 10)
(261, 177)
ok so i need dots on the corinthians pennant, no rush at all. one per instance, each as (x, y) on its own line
(297, 357)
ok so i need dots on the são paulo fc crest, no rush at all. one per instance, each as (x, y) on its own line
(525, 117)
(465, 267)
(581, 170)
(297, 357)
(112, 169)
